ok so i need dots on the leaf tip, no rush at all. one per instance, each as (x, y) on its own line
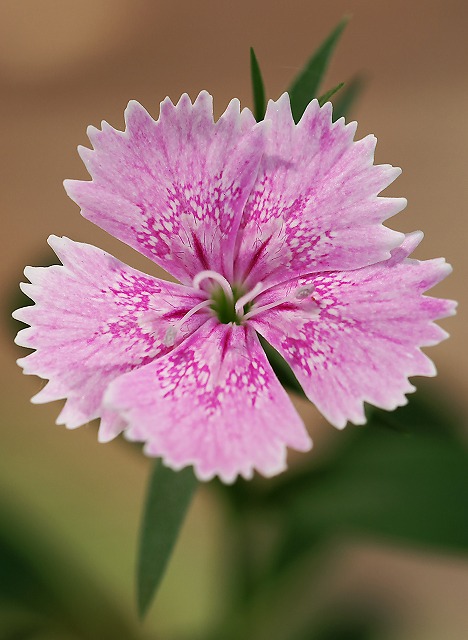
(143, 603)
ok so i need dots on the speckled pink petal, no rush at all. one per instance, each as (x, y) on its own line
(95, 319)
(363, 342)
(173, 189)
(214, 403)
(314, 206)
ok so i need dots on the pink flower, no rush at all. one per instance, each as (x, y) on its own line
(271, 228)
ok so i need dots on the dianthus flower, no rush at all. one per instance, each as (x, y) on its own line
(273, 228)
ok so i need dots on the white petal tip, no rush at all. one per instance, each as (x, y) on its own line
(104, 438)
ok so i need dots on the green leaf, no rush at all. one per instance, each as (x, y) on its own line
(349, 625)
(305, 86)
(169, 496)
(283, 371)
(406, 490)
(409, 489)
(347, 99)
(327, 95)
(44, 590)
(258, 88)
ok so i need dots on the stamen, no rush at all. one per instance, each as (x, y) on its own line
(301, 293)
(304, 292)
(171, 333)
(214, 275)
(247, 297)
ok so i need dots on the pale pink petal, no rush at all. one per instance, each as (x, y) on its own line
(357, 338)
(173, 189)
(314, 206)
(214, 403)
(95, 319)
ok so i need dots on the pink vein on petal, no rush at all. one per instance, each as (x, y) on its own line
(314, 206)
(214, 403)
(363, 341)
(173, 189)
(95, 318)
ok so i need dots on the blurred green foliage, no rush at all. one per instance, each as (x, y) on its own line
(401, 479)
(43, 592)
(406, 484)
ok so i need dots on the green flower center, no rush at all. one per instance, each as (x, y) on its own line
(232, 304)
(225, 306)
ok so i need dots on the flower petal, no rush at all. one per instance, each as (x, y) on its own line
(214, 402)
(364, 341)
(173, 189)
(314, 206)
(95, 319)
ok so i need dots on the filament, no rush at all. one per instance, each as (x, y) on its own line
(171, 333)
(301, 293)
(217, 277)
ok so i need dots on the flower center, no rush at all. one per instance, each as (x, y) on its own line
(230, 303)
(225, 306)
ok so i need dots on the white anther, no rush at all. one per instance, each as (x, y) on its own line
(171, 333)
(304, 292)
(170, 337)
(217, 277)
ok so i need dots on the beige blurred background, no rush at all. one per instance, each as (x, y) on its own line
(64, 65)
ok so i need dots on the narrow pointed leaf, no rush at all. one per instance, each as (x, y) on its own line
(326, 96)
(283, 371)
(305, 86)
(347, 98)
(168, 498)
(258, 88)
